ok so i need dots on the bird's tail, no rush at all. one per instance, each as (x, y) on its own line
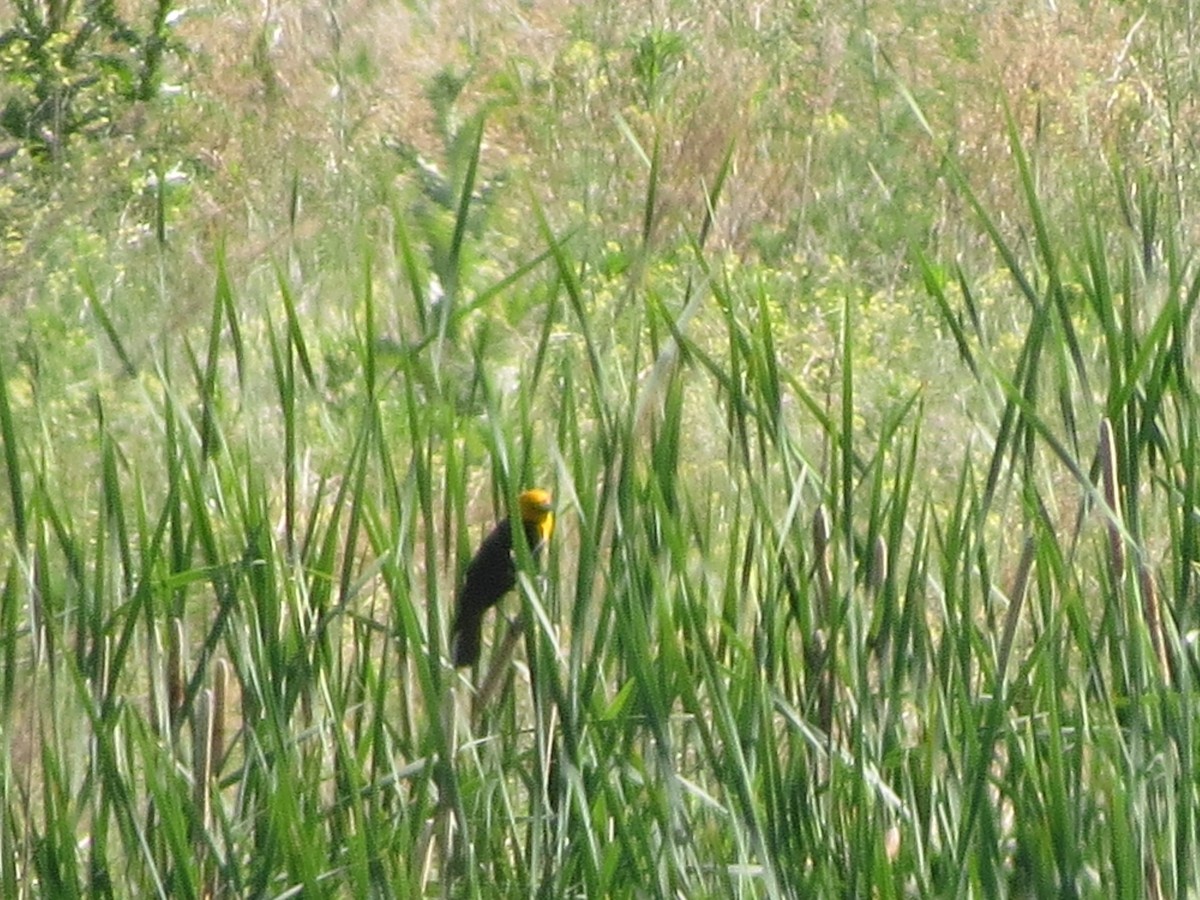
(464, 639)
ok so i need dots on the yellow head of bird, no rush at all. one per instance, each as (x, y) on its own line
(537, 508)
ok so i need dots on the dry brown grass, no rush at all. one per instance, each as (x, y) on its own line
(830, 162)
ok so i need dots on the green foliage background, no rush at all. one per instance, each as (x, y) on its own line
(854, 340)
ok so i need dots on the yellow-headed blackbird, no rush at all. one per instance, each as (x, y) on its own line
(492, 573)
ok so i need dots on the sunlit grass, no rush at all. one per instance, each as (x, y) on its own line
(789, 666)
(872, 576)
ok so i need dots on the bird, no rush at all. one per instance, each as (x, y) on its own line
(492, 572)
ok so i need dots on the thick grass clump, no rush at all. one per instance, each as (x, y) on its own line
(875, 557)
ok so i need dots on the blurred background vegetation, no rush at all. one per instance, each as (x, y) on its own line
(142, 143)
(834, 328)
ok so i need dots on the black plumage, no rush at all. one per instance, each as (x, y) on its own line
(490, 575)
